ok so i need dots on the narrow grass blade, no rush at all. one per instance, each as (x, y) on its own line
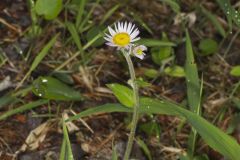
(193, 89)
(231, 13)
(142, 23)
(214, 21)
(39, 58)
(155, 43)
(193, 85)
(114, 153)
(69, 155)
(43, 53)
(5, 100)
(75, 36)
(173, 4)
(80, 12)
(225, 5)
(106, 108)
(23, 108)
(109, 13)
(63, 149)
(87, 17)
(145, 148)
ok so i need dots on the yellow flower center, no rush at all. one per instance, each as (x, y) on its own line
(121, 39)
(139, 52)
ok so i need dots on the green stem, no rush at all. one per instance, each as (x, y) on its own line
(136, 106)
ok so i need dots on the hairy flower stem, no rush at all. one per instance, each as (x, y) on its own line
(136, 106)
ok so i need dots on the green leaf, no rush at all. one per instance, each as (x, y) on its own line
(93, 32)
(212, 135)
(114, 153)
(51, 88)
(151, 129)
(141, 22)
(155, 42)
(122, 93)
(193, 85)
(175, 71)
(235, 71)
(69, 155)
(225, 5)
(151, 73)
(161, 53)
(174, 5)
(75, 35)
(232, 14)
(142, 83)
(7, 99)
(79, 17)
(234, 123)
(106, 108)
(193, 90)
(109, 13)
(208, 46)
(23, 108)
(236, 101)
(201, 157)
(63, 149)
(43, 53)
(64, 77)
(144, 147)
(49, 8)
(214, 21)
(39, 57)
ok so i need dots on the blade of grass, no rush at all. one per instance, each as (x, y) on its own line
(193, 90)
(68, 143)
(192, 79)
(173, 4)
(139, 20)
(109, 13)
(39, 58)
(214, 21)
(86, 19)
(155, 42)
(145, 148)
(80, 12)
(63, 149)
(23, 108)
(224, 4)
(86, 46)
(76, 38)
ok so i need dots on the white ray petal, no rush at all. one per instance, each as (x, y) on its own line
(143, 48)
(125, 26)
(107, 35)
(129, 27)
(140, 56)
(112, 32)
(119, 26)
(133, 26)
(116, 28)
(110, 44)
(136, 39)
(134, 35)
(108, 39)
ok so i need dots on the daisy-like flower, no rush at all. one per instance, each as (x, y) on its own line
(138, 51)
(123, 36)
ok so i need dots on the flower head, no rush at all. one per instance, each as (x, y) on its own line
(123, 36)
(138, 51)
